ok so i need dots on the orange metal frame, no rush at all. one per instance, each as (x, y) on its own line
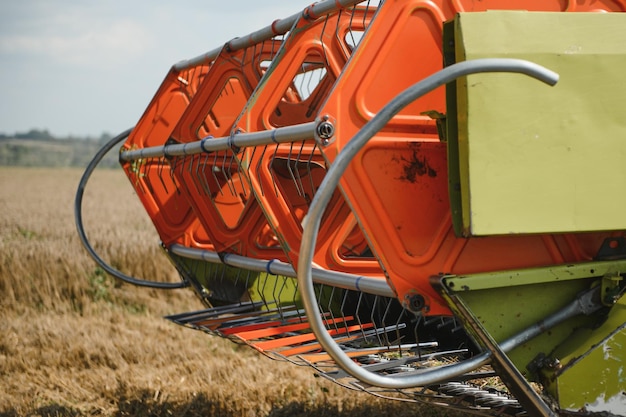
(213, 183)
(398, 185)
(152, 178)
(285, 177)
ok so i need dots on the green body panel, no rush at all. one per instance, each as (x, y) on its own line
(507, 302)
(591, 372)
(534, 158)
(588, 349)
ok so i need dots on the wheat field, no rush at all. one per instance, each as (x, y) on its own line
(76, 342)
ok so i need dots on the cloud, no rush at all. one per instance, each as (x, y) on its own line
(88, 66)
(79, 36)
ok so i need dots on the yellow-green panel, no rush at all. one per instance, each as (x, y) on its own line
(591, 372)
(534, 158)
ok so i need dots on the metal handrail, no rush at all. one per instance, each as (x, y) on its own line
(311, 222)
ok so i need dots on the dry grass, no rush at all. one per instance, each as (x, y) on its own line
(74, 343)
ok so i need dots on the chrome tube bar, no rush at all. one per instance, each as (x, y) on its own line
(266, 137)
(312, 221)
(369, 285)
(278, 27)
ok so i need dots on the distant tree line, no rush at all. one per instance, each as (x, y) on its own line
(39, 148)
(37, 134)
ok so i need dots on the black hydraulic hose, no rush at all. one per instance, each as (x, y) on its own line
(78, 216)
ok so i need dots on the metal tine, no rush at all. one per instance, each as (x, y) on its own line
(256, 317)
(383, 323)
(346, 52)
(420, 317)
(327, 315)
(161, 163)
(358, 317)
(242, 181)
(277, 299)
(229, 174)
(201, 173)
(299, 177)
(240, 165)
(291, 174)
(258, 165)
(350, 25)
(260, 55)
(309, 80)
(372, 317)
(262, 316)
(309, 164)
(190, 171)
(367, 9)
(400, 324)
(302, 316)
(330, 308)
(355, 43)
(214, 169)
(324, 43)
(146, 177)
(209, 312)
(383, 330)
(320, 288)
(254, 54)
(280, 292)
(272, 171)
(172, 177)
(222, 169)
(228, 84)
(228, 169)
(261, 290)
(431, 320)
(343, 309)
(249, 296)
(136, 167)
(321, 73)
(273, 52)
(201, 179)
(304, 74)
(183, 160)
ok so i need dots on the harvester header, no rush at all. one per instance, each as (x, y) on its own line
(407, 196)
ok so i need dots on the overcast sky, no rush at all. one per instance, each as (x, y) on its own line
(86, 67)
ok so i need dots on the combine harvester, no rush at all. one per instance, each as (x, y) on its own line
(411, 197)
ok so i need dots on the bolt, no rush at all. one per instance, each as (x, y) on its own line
(553, 363)
(416, 302)
(325, 131)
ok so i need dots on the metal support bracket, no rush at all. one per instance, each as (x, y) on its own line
(530, 400)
